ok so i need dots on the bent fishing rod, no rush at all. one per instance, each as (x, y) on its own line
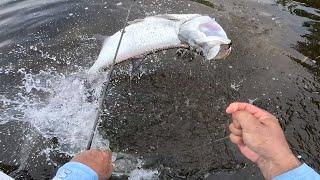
(107, 82)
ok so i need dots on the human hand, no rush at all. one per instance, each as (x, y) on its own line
(98, 160)
(260, 138)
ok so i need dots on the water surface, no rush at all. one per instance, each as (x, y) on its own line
(171, 114)
(309, 31)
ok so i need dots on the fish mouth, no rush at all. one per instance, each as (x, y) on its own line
(225, 50)
(217, 52)
(226, 46)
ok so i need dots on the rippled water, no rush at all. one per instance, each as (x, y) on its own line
(47, 106)
(309, 46)
(308, 28)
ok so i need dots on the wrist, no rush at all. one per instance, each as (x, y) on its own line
(74, 170)
(286, 164)
(272, 168)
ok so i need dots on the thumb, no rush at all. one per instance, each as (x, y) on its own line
(246, 121)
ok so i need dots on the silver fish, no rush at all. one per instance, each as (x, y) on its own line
(143, 36)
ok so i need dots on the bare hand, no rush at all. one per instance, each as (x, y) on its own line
(98, 160)
(260, 138)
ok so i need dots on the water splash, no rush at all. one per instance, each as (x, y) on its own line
(56, 105)
(139, 174)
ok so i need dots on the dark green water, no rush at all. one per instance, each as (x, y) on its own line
(43, 41)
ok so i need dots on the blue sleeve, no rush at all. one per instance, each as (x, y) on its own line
(75, 170)
(302, 172)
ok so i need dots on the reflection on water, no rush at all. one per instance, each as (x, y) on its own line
(30, 15)
(310, 46)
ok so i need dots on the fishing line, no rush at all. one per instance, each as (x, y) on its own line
(106, 83)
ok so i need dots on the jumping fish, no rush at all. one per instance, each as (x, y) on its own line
(143, 36)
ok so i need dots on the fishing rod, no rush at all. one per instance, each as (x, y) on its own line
(106, 83)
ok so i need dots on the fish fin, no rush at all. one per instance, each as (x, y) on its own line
(100, 37)
(135, 21)
(177, 17)
(168, 16)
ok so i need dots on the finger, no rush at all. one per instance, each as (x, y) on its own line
(236, 123)
(236, 139)
(107, 152)
(234, 130)
(251, 155)
(106, 155)
(109, 170)
(78, 156)
(247, 121)
(257, 112)
(92, 151)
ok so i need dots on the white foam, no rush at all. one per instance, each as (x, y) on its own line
(143, 174)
